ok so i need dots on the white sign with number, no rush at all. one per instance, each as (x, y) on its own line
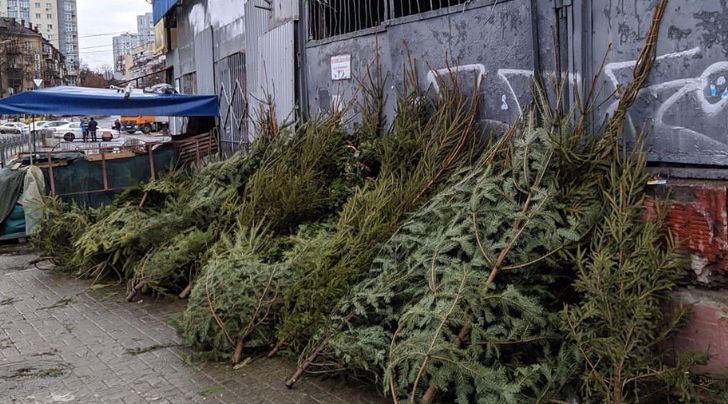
(341, 67)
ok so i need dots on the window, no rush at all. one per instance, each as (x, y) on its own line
(37, 5)
(189, 83)
(49, 16)
(37, 15)
(336, 17)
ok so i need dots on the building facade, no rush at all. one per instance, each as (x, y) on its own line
(145, 28)
(132, 49)
(68, 36)
(56, 20)
(123, 45)
(27, 56)
(204, 41)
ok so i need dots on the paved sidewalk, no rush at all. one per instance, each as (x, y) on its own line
(61, 341)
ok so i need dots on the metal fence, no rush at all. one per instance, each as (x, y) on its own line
(327, 18)
(13, 144)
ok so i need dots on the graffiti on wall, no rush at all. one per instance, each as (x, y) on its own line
(680, 110)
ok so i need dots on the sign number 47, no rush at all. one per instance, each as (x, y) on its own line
(341, 67)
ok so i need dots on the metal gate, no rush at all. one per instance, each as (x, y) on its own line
(231, 89)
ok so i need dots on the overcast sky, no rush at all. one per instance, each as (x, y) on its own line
(105, 19)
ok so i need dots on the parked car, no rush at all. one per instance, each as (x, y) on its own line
(67, 131)
(12, 127)
(51, 125)
(37, 125)
(70, 131)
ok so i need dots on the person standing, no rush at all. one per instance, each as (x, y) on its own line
(92, 126)
(84, 129)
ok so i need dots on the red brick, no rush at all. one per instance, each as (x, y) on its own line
(706, 329)
(698, 219)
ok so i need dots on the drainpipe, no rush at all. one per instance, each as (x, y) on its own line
(536, 39)
(562, 48)
(302, 67)
(215, 89)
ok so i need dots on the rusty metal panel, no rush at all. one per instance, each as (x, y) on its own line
(276, 74)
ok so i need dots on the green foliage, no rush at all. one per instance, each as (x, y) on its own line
(239, 295)
(624, 277)
(429, 139)
(302, 178)
(431, 311)
(159, 270)
(62, 224)
(398, 254)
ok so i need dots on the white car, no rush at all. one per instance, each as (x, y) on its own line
(67, 131)
(70, 131)
(51, 125)
(13, 127)
(37, 125)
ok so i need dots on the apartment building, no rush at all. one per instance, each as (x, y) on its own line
(27, 55)
(68, 35)
(123, 45)
(131, 48)
(145, 28)
(56, 20)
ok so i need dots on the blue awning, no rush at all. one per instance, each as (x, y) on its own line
(103, 102)
(161, 7)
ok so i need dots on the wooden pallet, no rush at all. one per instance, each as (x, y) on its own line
(196, 148)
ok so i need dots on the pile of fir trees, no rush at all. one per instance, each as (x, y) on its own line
(441, 263)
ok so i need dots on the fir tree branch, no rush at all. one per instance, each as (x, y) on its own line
(435, 337)
(213, 311)
(532, 262)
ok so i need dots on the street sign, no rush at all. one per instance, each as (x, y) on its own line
(38, 82)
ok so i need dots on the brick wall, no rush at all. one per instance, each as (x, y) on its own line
(698, 219)
(697, 216)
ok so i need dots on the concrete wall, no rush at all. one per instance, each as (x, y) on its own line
(685, 102)
(207, 32)
(487, 42)
(684, 106)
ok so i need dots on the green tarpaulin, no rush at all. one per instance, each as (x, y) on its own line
(11, 184)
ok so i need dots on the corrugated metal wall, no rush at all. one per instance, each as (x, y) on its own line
(256, 24)
(276, 74)
(205, 62)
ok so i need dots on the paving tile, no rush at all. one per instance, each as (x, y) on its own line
(85, 338)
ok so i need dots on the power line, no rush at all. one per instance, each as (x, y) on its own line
(105, 34)
(95, 47)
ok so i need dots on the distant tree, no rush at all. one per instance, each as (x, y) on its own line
(92, 78)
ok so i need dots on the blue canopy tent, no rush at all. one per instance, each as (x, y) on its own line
(95, 101)
(81, 101)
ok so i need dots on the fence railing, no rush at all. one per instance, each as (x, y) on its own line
(13, 144)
